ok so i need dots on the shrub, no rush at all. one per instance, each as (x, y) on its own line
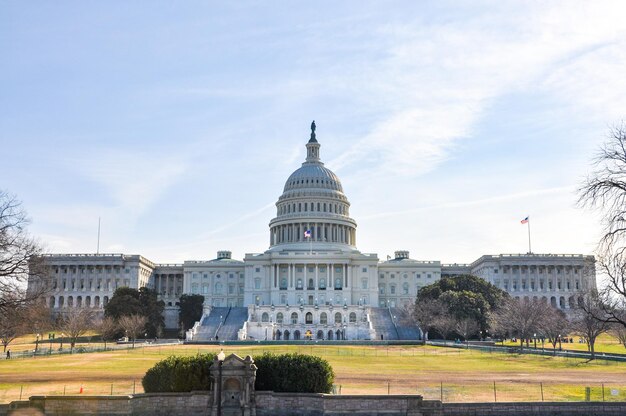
(296, 373)
(179, 374)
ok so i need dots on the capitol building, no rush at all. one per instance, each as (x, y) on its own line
(312, 282)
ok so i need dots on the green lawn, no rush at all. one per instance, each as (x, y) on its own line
(604, 343)
(457, 375)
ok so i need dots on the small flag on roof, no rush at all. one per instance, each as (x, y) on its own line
(525, 220)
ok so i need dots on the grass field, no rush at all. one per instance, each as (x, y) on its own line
(454, 375)
(605, 343)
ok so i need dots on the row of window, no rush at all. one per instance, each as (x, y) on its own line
(541, 271)
(308, 318)
(89, 270)
(217, 276)
(392, 289)
(405, 275)
(523, 285)
(195, 289)
(310, 207)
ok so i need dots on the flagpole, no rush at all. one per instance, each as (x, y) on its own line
(98, 246)
(529, 249)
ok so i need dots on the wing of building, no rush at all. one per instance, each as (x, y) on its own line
(312, 281)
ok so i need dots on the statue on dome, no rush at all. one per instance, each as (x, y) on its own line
(313, 131)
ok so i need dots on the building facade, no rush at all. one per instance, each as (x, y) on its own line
(312, 281)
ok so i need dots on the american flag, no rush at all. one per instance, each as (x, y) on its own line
(307, 234)
(525, 220)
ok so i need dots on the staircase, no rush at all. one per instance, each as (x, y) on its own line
(383, 324)
(405, 325)
(210, 325)
(233, 322)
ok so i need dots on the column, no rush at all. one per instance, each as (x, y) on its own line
(331, 276)
(345, 271)
(306, 282)
(317, 284)
(290, 272)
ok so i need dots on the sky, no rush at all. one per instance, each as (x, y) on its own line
(178, 123)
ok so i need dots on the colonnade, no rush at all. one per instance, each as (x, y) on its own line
(326, 232)
(167, 284)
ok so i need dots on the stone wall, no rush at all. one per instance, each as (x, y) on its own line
(536, 409)
(194, 403)
(300, 404)
(303, 404)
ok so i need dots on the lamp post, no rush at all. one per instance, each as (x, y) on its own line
(62, 336)
(535, 340)
(37, 343)
(50, 338)
(220, 360)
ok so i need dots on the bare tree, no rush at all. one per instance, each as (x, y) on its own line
(12, 325)
(133, 325)
(619, 332)
(426, 313)
(554, 326)
(445, 324)
(75, 322)
(605, 188)
(522, 318)
(19, 255)
(108, 328)
(466, 327)
(588, 321)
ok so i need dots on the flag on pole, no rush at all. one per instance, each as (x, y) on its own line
(525, 220)
(307, 234)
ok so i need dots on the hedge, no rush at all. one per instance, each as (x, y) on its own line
(179, 374)
(295, 373)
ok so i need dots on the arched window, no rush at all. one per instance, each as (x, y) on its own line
(323, 318)
(311, 285)
(279, 318)
(88, 301)
(320, 334)
(294, 318)
(218, 287)
(392, 289)
(338, 283)
(308, 319)
(338, 319)
(265, 317)
(405, 288)
(330, 334)
(70, 301)
(257, 283)
(296, 335)
(323, 283)
(352, 317)
(286, 335)
(278, 334)
(283, 283)
(52, 301)
(299, 284)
